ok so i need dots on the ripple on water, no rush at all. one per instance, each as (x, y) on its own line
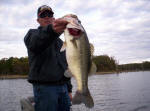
(123, 92)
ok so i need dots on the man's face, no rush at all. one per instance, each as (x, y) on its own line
(45, 18)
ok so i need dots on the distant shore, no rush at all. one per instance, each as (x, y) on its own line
(110, 72)
(13, 76)
(25, 76)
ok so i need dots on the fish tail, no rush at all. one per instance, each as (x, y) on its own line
(85, 98)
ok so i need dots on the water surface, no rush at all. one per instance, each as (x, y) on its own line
(113, 92)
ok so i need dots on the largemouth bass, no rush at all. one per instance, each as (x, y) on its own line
(78, 54)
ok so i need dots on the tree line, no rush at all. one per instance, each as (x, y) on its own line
(14, 66)
(104, 63)
(135, 66)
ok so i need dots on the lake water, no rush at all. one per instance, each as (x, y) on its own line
(113, 92)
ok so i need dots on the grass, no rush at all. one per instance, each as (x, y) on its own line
(108, 72)
(13, 76)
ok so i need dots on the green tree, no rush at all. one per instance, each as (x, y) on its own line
(105, 63)
(146, 65)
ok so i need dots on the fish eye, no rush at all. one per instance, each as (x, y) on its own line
(79, 21)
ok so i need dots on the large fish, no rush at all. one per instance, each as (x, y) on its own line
(78, 54)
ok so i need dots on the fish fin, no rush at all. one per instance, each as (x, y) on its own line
(92, 69)
(63, 48)
(92, 49)
(68, 73)
(85, 98)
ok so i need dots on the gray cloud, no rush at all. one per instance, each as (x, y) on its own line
(9, 49)
(14, 2)
(11, 34)
(117, 28)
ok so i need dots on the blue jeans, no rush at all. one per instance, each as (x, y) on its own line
(51, 98)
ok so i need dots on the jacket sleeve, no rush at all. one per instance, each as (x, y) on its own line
(69, 85)
(39, 39)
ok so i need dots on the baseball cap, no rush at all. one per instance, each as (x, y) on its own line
(43, 8)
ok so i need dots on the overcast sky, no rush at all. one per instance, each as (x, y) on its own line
(118, 28)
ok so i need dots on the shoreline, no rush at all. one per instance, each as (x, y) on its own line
(13, 76)
(118, 72)
(110, 72)
(26, 76)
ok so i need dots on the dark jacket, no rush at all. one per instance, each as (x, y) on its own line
(47, 64)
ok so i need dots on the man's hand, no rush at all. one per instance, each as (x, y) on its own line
(59, 25)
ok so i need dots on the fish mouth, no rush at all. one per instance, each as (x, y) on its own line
(74, 32)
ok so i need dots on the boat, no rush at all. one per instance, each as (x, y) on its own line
(27, 104)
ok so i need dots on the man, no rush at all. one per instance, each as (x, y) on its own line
(47, 64)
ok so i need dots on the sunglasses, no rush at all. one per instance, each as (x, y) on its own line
(46, 14)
